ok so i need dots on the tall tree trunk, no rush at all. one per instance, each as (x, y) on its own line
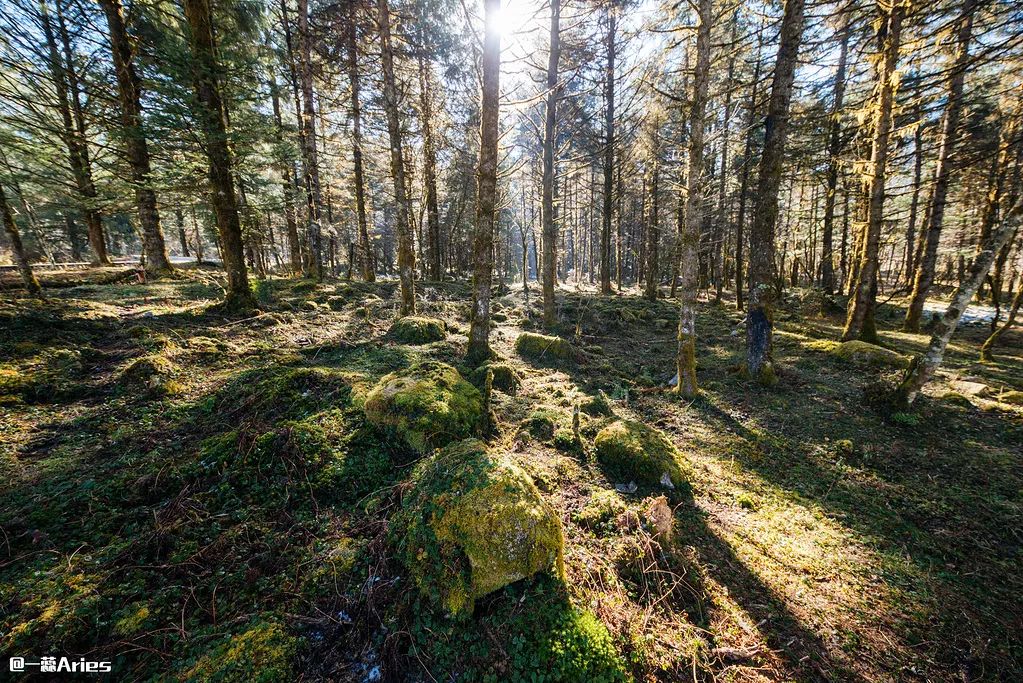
(690, 238)
(314, 199)
(949, 137)
(287, 187)
(550, 227)
(486, 202)
(760, 316)
(653, 228)
(429, 165)
(365, 248)
(406, 255)
(65, 84)
(28, 278)
(129, 91)
(607, 214)
(834, 150)
(860, 320)
(747, 158)
(212, 118)
(924, 367)
(723, 204)
(914, 201)
(182, 238)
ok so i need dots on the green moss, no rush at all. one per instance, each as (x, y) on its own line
(335, 303)
(309, 305)
(542, 423)
(856, 351)
(596, 406)
(261, 653)
(602, 508)
(473, 523)
(208, 346)
(506, 378)
(151, 374)
(631, 451)
(543, 347)
(1014, 398)
(426, 405)
(418, 330)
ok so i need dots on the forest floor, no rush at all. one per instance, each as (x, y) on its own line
(220, 509)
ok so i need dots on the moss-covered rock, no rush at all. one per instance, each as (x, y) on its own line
(631, 451)
(309, 305)
(506, 378)
(856, 351)
(151, 374)
(473, 523)
(335, 303)
(543, 347)
(427, 405)
(596, 406)
(415, 329)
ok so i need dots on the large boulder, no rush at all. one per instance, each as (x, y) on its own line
(631, 451)
(474, 522)
(414, 329)
(427, 405)
(543, 347)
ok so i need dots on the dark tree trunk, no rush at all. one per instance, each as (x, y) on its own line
(406, 255)
(607, 214)
(860, 320)
(214, 126)
(760, 317)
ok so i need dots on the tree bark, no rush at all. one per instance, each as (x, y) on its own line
(607, 214)
(859, 322)
(834, 150)
(430, 166)
(406, 256)
(690, 238)
(314, 199)
(653, 229)
(925, 367)
(65, 84)
(550, 226)
(486, 202)
(212, 119)
(365, 248)
(129, 90)
(987, 350)
(760, 316)
(28, 278)
(942, 172)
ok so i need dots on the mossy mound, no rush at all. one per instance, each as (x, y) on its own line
(596, 406)
(856, 351)
(427, 405)
(474, 522)
(336, 303)
(543, 347)
(603, 507)
(418, 330)
(631, 451)
(208, 346)
(151, 374)
(1014, 398)
(506, 378)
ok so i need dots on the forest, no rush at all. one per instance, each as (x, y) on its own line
(511, 340)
